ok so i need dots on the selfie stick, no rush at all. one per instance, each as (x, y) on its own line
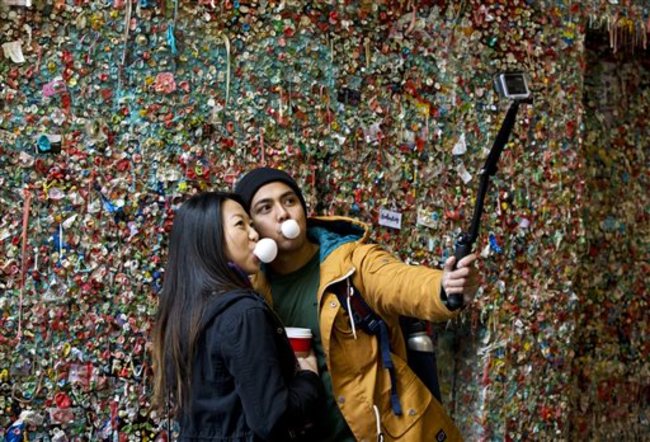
(466, 239)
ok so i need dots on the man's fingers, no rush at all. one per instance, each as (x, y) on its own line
(454, 290)
(449, 263)
(463, 279)
(459, 282)
(468, 260)
(463, 272)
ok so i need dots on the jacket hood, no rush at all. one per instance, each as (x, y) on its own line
(330, 232)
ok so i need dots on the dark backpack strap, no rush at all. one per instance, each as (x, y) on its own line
(387, 361)
(422, 363)
(370, 322)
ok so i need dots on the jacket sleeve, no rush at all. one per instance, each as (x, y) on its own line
(269, 402)
(392, 287)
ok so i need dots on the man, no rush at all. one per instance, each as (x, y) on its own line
(365, 399)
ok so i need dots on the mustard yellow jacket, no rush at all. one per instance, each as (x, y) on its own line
(391, 288)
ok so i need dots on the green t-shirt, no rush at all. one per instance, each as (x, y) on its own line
(295, 301)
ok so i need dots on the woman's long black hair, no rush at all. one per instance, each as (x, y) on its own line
(197, 269)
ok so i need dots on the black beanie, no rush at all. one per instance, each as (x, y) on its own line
(250, 183)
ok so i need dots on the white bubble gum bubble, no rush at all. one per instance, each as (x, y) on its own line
(290, 229)
(266, 250)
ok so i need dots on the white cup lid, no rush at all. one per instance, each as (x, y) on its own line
(298, 332)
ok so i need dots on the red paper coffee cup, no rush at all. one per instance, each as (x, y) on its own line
(300, 340)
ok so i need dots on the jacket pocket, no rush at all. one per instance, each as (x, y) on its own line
(342, 323)
(423, 417)
(413, 396)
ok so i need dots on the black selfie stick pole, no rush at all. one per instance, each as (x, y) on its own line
(466, 240)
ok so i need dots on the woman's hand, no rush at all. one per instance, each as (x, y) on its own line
(308, 362)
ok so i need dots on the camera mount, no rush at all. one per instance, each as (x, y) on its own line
(514, 87)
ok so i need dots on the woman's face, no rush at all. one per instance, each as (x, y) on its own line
(240, 236)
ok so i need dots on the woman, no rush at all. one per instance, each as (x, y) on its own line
(221, 356)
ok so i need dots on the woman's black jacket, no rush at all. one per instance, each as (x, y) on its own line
(246, 384)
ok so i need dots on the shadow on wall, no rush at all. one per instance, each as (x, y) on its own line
(610, 370)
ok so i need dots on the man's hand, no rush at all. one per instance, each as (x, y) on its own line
(464, 279)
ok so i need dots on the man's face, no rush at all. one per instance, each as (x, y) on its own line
(273, 204)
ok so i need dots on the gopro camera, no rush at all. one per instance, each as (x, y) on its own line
(512, 85)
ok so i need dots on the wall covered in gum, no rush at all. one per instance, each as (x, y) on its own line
(112, 112)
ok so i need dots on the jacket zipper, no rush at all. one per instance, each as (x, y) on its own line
(380, 434)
